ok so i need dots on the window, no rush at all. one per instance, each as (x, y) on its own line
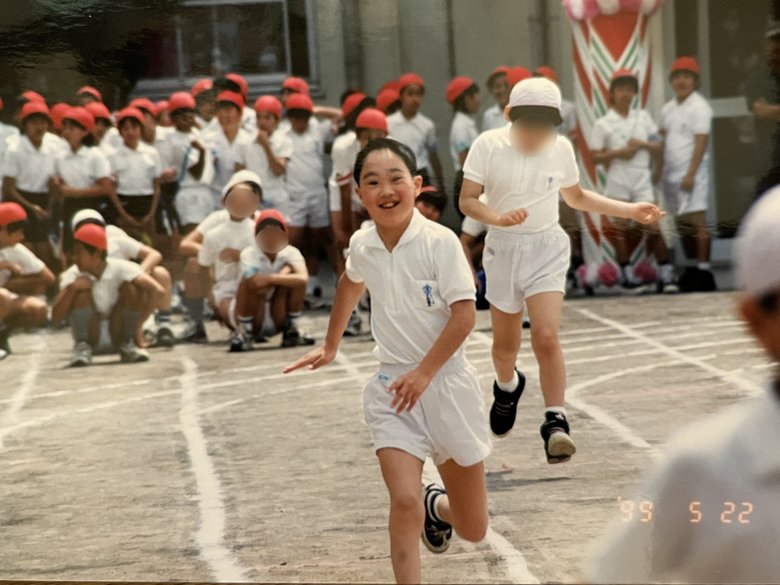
(264, 40)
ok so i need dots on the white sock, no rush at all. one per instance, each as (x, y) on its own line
(555, 409)
(510, 386)
(703, 265)
(667, 272)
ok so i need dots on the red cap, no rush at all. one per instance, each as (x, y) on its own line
(160, 107)
(267, 214)
(372, 119)
(34, 107)
(392, 84)
(130, 112)
(456, 87)
(516, 74)
(408, 79)
(623, 73)
(352, 102)
(143, 104)
(89, 90)
(547, 72)
(181, 100)
(232, 97)
(239, 80)
(201, 85)
(296, 85)
(98, 110)
(32, 96)
(93, 235)
(685, 64)
(268, 103)
(299, 101)
(81, 116)
(429, 189)
(499, 70)
(57, 113)
(386, 97)
(11, 212)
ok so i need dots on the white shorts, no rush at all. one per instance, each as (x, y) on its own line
(684, 202)
(194, 204)
(309, 210)
(224, 290)
(448, 421)
(633, 186)
(334, 194)
(472, 227)
(518, 266)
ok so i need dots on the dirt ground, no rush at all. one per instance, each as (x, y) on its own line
(202, 465)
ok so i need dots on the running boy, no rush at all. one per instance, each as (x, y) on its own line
(273, 285)
(103, 299)
(715, 494)
(23, 277)
(425, 399)
(685, 123)
(521, 168)
(625, 140)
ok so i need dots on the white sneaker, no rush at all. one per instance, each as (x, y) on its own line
(130, 353)
(82, 355)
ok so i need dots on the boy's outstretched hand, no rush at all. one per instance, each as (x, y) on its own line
(646, 213)
(316, 358)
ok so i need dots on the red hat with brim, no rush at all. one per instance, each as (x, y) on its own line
(11, 212)
(98, 111)
(269, 215)
(81, 116)
(32, 96)
(299, 101)
(268, 103)
(372, 119)
(57, 113)
(351, 103)
(231, 97)
(143, 104)
(517, 74)
(623, 73)
(239, 80)
(130, 112)
(500, 70)
(201, 85)
(296, 84)
(386, 98)
(181, 100)
(689, 64)
(32, 108)
(457, 87)
(91, 91)
(408, 79)
(547, 72)
(93, 235)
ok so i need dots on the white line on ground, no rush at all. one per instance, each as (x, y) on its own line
(210, 535)
(19, 397)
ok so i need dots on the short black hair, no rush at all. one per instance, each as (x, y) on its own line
(536, 115)
(92, 250)
(459, 105)
(268, 222)
(298, 114)
(128, 120)
(89, 139)
(224, 84)
(626, 80)
(400, 150)
(36, 116)
(435, 198)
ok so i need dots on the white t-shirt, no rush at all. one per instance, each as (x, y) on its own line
(19, 254)
(411, 287)
(710, 509)
(255, 261)
(31, 167)
(681, 122)
(306, 169)
(6, 132)
(82, 168)
(111, 141)
(226, 234)
(514, 181)
(418, 133)
(463, 133)
(253, 158)
(612, 132)
(177, 152)
(569, 115)
(121, 245)
(344, 152)
(136, 169)
(224, 154)
(105, 290)
(493, 118)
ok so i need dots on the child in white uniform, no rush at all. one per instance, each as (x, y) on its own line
(685, 123)
(711, 506)
(521, 168)
(499, 88)
(425, 399)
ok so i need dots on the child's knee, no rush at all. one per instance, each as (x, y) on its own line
(162, 276)
(544, 341)
(407, 504)
(82, 299)
(474, 530)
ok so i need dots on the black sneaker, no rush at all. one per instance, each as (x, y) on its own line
(294, 338)
(706, 281)
(504, 409)
(436, 534)
(558, 445)
(196, 333)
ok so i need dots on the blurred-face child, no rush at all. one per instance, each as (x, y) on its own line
(242, 201)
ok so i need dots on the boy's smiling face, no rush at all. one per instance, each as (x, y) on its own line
(387, 188)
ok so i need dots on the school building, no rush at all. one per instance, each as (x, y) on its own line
(336, 44)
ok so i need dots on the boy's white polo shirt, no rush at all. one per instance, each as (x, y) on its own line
(235, 235)
(136, 169)
(411, 287)
(19, 254)
(613, 131)
(493, 118)
(82, 168)
(306, 168)
(105, 290)
(344, 153)
(715, 506)
(224, 154)
(253, 158)
(463, 133)
(512, 180)
(681, 122)
(121, 245)
(418, 133)
(31, 167)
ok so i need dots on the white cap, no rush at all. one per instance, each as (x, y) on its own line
(85, 214)
(535, 91)
(241, 177)
(757, 250)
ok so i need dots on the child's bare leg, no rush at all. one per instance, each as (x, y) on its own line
(124, 323)
(545, 312)
(250, 305)
(402, 473)
(702, 236)
(196, 285)
(464, 506)
(507, 329)
(225, 313)
(26, 312)
(163, 277)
